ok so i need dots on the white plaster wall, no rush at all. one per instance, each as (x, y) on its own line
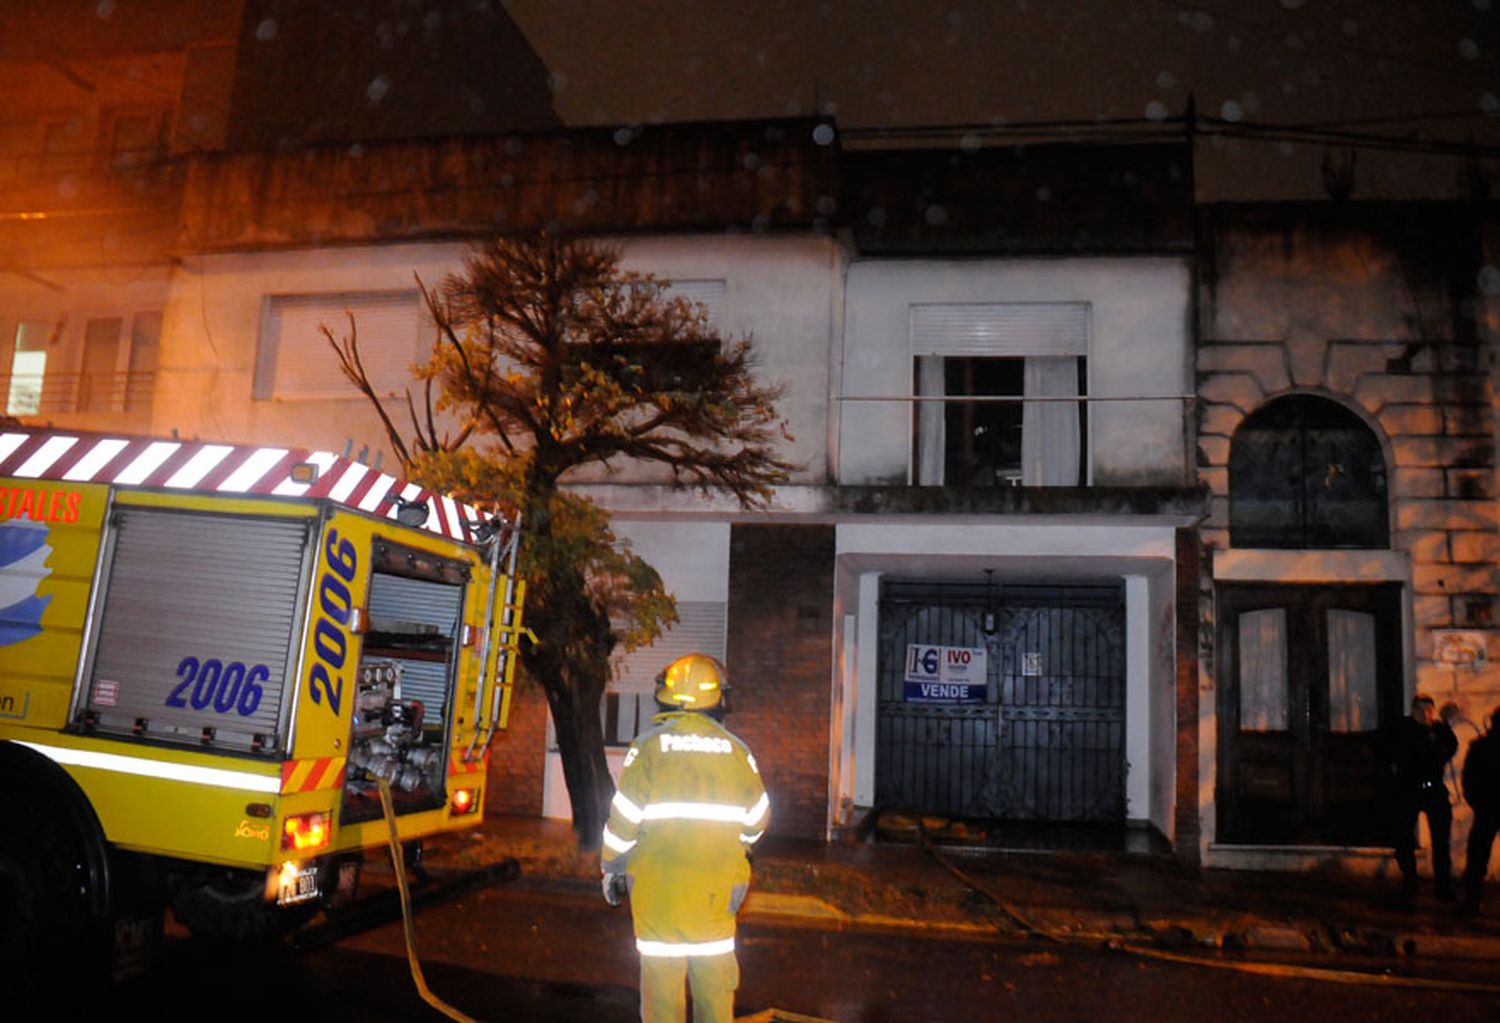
(1162, 702)
(1139, 347)
(782, 291)
(211, 331)
(867, 663)
(1138, 731)
(1047, 551)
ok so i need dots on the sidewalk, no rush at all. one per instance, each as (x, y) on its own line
(1095, 896)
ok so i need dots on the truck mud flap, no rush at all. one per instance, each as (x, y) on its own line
(383, 907)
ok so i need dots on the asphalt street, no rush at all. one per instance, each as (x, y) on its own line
(540, 951)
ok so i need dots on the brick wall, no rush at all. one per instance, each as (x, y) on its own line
(780, 663)
(1186, 825)
(518, 756)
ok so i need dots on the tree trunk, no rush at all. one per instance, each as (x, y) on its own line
(580, 743)
(571, 660)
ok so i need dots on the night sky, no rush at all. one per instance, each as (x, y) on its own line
(1409, 69)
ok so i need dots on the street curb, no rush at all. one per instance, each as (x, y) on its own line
(1448, 946)
(781, 904)
(1236, 931)
(1284, 938)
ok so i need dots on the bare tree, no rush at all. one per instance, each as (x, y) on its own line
(550, 357)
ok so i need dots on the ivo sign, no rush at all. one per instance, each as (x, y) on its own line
(945, 674)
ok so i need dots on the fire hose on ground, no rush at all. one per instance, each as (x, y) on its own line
(398, 863)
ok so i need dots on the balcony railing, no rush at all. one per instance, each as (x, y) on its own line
(1043, 440)
(60, 393)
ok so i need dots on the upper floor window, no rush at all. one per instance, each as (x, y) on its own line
(708, 293)
(100, 385)
(1305, 472)
(28, 367)
(295, 362)
(135, 138)
(64, 147)
(663, 365)
(1000, 391)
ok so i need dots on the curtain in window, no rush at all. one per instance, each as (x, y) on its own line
(931, 433)
(101, 351)
(1263, 681)
(1049, 429)
(1351, 672)
(1050, 336)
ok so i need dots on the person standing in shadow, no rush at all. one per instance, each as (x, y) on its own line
(1481, 780)
(1419, 750)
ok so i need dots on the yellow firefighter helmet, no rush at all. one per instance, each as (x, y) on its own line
(692, 682)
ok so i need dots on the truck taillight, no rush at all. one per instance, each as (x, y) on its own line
(463, 801)
(306, 832)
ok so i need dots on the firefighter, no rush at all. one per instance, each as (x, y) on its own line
(689, 806)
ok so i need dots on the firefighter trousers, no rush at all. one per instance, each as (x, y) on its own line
(713, 980)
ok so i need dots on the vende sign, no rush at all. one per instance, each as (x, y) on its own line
(945, 674)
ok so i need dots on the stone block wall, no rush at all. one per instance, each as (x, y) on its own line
(1375, 314)
(1384, 311)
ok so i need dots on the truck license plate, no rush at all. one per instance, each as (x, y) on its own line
(298, 886)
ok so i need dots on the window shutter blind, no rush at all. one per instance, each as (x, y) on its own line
(1000, 329)
(296, 361)
(707, 293)
(700, 628)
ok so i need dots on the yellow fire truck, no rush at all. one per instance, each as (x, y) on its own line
(211, 656)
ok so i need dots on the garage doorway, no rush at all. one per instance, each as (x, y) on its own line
(1040, 736)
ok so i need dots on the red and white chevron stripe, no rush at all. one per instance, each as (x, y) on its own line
(202, 467)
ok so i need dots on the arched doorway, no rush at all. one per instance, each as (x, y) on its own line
(1309, 672)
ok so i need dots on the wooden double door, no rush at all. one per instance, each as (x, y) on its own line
(1308, 676)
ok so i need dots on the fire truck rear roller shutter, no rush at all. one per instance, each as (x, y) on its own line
(420, 605)
(199, 612)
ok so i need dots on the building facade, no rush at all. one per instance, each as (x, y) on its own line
(1111, 510)
(1347, 434)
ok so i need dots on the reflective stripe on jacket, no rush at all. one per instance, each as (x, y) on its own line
(690, 803)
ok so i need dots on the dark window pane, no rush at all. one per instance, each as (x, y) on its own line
(983, 439)
(1306, 472)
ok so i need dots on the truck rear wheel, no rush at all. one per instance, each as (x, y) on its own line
(54, 877)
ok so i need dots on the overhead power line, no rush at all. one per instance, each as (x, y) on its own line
(1125, 130)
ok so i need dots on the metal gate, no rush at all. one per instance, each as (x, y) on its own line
(1045, 742)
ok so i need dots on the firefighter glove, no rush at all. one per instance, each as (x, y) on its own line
(614, 889)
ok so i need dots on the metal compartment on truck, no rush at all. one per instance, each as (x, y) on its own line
(195, 628)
